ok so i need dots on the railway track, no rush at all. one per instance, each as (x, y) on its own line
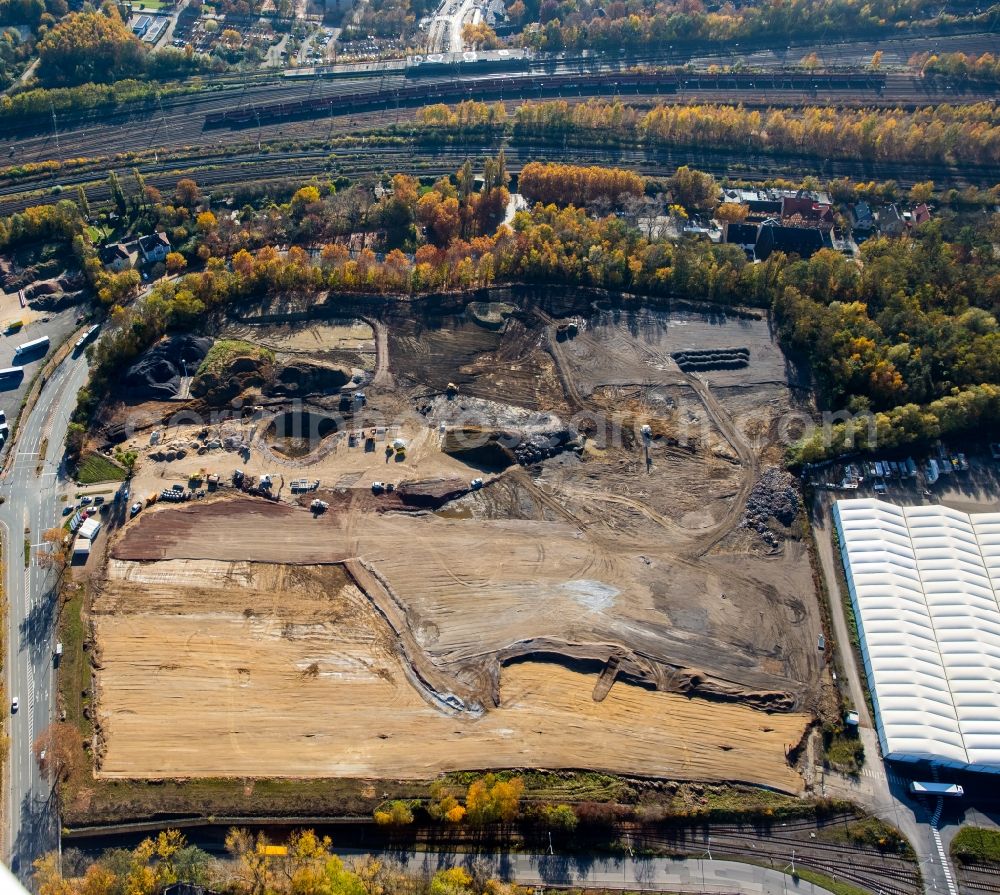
(181, 121)
(979, 877)
(436, 160)
(864, 867)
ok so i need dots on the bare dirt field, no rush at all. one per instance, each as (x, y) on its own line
(611, 598)
(266, 670)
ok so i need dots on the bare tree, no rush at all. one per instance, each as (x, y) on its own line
(60, 749)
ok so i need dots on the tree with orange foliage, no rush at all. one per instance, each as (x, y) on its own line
(731, 212)
(490, 800)
(578, 185)
(187, 193)
(440, 216)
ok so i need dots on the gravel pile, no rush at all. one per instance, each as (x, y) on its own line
(774, 497)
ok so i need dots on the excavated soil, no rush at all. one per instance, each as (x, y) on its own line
(263, 670)
(609, 606)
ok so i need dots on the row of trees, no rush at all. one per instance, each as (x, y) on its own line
(577, 185)
(636, 24)
(959, 66)
(490, 801)
(944, 133)
(304, 865)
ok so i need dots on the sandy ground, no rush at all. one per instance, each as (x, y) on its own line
(472, 589)
(350, 340)
(628, 347)
(335, 463)
(632, 553)
(262, 670)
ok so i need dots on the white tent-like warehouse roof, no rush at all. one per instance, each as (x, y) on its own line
(925, 584)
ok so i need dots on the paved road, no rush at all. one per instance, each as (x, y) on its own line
(30, 489)
(701, 875)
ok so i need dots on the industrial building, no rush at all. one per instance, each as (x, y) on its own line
(925, 582)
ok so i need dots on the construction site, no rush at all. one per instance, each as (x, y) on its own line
(526, 538)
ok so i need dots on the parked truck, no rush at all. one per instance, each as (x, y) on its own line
(35, 346)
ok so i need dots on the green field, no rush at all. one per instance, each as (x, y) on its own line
(94, 468)
(224, 351)
(74, 673)
(974, 844)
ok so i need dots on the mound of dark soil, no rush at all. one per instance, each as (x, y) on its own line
(300, 379)
(157, 374)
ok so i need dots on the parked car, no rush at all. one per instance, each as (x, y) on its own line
(136, 507)
(67, 510)
(84, 501)
(98, 500)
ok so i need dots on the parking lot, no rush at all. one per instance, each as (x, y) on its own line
(964, 481)
(56, 325)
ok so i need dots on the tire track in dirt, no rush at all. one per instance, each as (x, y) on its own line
(744, 451)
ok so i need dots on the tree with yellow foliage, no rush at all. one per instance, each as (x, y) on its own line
(490, 800)
(394, 814)
(443, 805)
(207, 222)
(452, 881)
(89, 47)
(731, 212)
(303, 198)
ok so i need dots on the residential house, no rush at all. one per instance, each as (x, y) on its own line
(775, 237)
(921, 214)
(890, 222)
(862, 219)
(742, 235)
(804, 211)
(119, 256)
(154, 247)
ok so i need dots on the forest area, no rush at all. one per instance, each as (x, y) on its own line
(646, 24)
(909, 332)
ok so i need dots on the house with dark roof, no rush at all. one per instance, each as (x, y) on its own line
(774, 237)
(154, 247)
(890, 222)
(742, 235)
(119, 256)
(862, 218)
